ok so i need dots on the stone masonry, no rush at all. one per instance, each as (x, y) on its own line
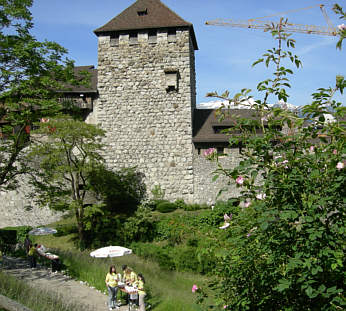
(148, 125)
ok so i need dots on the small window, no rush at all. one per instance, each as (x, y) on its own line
(142, 12)
(220, 150)
(172, 35)
(171, 81)
(133, 38)
(152, 36)
(114, 40)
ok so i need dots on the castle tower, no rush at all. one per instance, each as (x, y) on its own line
(147, 95)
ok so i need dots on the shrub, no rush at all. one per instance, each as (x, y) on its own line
(154, 252)
(166, 207)
(180, 203)
(140, 227)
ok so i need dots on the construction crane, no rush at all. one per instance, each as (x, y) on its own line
(258, 23)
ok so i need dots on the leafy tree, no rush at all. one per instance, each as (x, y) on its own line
(286, 243)
(30, 73)
(65, 154)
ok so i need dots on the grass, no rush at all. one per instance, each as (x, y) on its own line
(169, 290)
(33, 298)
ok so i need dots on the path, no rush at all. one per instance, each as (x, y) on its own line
(70, 290)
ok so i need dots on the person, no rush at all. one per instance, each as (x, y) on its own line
(1, 259)
(112, 285)
(129, 276)
(141, 291)
(32, 255)
(27, 243)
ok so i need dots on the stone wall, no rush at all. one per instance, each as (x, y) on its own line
(17, 210)
(149, 123)
(205, 189)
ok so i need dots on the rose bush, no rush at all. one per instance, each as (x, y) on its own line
(286, 247)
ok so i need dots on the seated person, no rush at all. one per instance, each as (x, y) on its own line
(129, 276)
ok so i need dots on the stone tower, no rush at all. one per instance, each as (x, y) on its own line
(147, 95)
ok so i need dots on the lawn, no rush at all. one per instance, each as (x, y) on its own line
(169, 290)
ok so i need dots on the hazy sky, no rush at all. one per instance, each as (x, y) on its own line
(225, 54)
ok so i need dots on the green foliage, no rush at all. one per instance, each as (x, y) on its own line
(30, 73)
(140, 227)
(285, 247)
(342, 30)
(166, 207)
(158, 193)
(64, 155)
(121, 191)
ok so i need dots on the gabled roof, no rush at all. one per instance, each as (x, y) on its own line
(146, 14)
(91, 88)
(205, 121)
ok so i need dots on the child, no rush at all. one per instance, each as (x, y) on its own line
(141, 292)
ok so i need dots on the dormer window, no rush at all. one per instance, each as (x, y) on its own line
(142, 12)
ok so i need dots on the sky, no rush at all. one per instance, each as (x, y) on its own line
(225, 55)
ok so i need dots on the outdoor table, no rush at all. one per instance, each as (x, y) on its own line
(54, 259)
(132, 293)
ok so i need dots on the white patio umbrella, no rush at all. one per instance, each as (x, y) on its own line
(42, 231)
(111, 251)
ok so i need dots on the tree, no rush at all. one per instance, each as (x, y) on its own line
(30, 73)
(65, 154)
(286, 239)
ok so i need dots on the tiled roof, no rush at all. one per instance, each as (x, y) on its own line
(84, 89)
(146, 14)
(205, 122)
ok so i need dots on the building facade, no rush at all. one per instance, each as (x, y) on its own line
(143, 94)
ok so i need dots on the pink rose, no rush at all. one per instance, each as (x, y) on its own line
(240, 180)
(247, 204)
(342, 27)
(335, 152)
(194, 288)
(209, 152)
(340, 165)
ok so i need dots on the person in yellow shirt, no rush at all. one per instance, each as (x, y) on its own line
(129, 277)
(1, 259)
(141, 291)
(32, 256)
(112, 286)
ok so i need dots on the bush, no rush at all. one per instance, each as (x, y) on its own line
(166, 207)
(155, 252)
(140, 227)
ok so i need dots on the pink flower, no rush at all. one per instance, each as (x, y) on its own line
(342, 27)
(340, 165)
(225, 306)
(227, 218)
(261, 196)
(240, 180)
(335, 151)
(312, 148)
(248, 235)
(209, 152)
(44, 120)
(194, 288)
(247, 204)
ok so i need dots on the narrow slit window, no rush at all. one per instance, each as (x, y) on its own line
(114, 40)
(133, 38)
(152, 36)
(172, 35)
